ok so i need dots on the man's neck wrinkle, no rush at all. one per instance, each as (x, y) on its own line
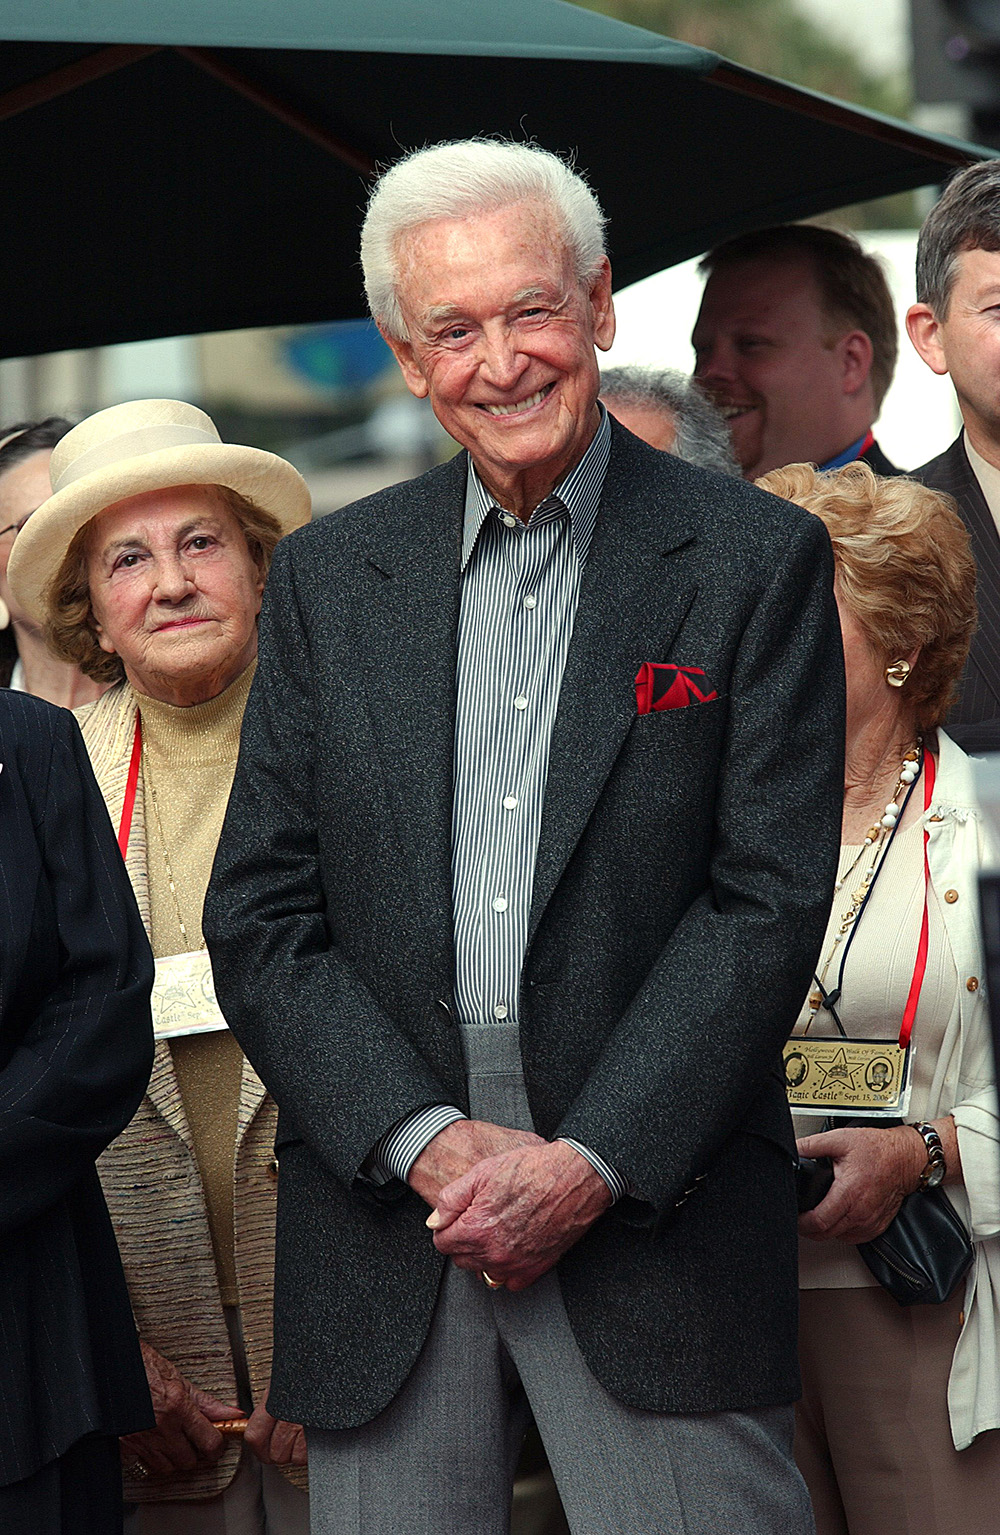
(522, 496)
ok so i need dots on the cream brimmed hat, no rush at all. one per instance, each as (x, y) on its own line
(122, 451)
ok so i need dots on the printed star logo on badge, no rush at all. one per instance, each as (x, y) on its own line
(837, 1071)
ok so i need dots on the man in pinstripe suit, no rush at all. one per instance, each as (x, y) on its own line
(955, 327)
(76, 1047)
(509, 913)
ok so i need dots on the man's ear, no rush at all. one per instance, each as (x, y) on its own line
(405, 356)
(856, 354)
(602, 306)
(924, 330)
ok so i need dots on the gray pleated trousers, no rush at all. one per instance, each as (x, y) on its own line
(440, 1459)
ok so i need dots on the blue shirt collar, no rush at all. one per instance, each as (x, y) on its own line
(849, 454)
(578, 495)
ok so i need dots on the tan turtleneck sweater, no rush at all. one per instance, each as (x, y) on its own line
(188, 763)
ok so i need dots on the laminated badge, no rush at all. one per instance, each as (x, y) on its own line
(846, 1076)
(183, 998)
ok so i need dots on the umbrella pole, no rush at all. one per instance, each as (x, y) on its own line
(206, 60)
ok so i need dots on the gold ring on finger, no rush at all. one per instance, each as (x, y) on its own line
(494, 1284)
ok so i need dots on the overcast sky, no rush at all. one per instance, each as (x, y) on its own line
(878, 30)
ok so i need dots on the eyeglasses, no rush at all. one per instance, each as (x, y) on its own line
(15, 527)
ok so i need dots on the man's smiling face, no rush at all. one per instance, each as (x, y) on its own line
(763, 351)
(502, 338)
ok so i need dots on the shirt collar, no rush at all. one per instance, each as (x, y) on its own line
(849, 455)
(578, 495)
(988, 477)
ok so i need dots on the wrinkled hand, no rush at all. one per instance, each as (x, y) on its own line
(873, 1171)
(457, 1148)
(514, 1215)
(183, 1437)
(275, 1442)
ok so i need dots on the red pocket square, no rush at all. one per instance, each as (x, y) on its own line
(661, 685)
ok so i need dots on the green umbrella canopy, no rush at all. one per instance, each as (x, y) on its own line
(177, 166)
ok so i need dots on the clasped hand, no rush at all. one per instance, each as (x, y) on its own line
(185, 1435)
(505, 1201)
(874, 1170)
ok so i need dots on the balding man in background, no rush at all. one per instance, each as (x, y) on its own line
(667, 410)
(796, 343)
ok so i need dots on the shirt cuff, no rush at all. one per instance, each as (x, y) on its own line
(394, 1155)
(616, 1183)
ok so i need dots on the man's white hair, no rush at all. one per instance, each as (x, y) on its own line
(464, 178)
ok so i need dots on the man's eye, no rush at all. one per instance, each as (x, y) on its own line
(456, 333)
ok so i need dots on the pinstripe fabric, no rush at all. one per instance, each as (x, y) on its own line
(520, 590)
(154, 1190)
(75, 1051)
(974, 722)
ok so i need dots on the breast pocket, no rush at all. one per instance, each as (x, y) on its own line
(692, 718)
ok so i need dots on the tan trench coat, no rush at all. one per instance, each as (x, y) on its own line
(154, 1190)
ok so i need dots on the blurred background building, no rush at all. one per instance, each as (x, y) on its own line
(330, 397)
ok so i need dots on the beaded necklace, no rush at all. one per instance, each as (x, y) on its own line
(878, 840)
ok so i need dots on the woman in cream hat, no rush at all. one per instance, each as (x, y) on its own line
(146, 568)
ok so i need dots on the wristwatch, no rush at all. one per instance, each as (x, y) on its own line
(935, 1169)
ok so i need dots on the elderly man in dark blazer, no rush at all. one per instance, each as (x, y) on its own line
(525, 869)
(76, 1047)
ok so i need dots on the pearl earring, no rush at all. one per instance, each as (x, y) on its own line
(897, 673)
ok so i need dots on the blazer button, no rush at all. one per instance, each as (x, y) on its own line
(951, 896)
(972, 984)
(272, 1167)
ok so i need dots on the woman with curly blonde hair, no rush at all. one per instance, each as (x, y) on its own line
(897, 1427)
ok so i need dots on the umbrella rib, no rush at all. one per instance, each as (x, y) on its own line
(204, 59)
(778, 93)
(60, 81)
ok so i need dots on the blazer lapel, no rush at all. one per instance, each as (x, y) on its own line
(631, 606)
(406, 653)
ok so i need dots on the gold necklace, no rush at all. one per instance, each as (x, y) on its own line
(166, 859)
(876, 842)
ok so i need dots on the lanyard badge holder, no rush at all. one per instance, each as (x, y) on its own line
(840, 1076)
(183, 1001)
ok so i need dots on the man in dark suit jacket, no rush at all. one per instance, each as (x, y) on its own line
(76, 1048)
(953, 327)
(527, 861)
(796, 343)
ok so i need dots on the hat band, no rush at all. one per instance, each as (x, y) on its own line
(145, 439)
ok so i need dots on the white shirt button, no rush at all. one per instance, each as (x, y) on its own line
(520, 702)
(530, 601)
(499, 903)
(508, 520)
(500, 1011)
(510, 802)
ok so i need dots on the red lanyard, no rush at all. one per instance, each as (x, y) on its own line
(920, 968)
(132, 783)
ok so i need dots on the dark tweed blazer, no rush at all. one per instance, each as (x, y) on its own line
(76, 1048)
(974, 722)
(681, 889)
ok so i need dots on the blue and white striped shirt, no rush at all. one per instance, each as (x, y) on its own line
(520, 590)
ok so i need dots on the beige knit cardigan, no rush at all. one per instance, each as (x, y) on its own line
(154, 1190)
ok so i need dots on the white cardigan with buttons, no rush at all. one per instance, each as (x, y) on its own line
(964, 1085)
